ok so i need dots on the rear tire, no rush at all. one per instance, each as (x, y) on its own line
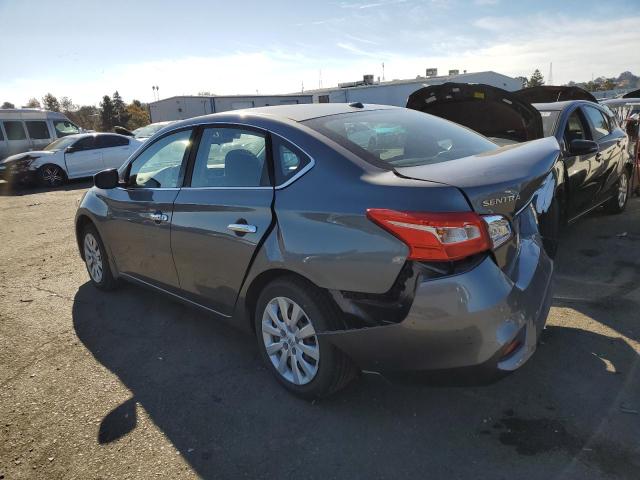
(302, 361)
(51, 176)
(96, 260)
(618, 202)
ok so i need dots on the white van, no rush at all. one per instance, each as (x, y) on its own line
(22, 130)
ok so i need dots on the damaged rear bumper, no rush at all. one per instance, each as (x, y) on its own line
(482, 317)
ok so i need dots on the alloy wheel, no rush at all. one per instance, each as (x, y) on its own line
(52, 175)
(290, 341)
(93, 257)
(623, 189)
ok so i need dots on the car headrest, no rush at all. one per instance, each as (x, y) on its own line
(242, 169)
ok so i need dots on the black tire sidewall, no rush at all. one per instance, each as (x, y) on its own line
(318, 315)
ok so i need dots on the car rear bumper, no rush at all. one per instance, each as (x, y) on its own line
(465, 320)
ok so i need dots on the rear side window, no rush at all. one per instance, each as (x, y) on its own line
(288, 160)
(38, 130)
(230, 157)
(64, 128)
(599, 124)
(15, 130)
(400, 137)
(108, 141)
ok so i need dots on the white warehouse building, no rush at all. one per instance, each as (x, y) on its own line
(396, 92)
(188, 106)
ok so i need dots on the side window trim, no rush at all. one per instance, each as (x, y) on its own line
(181, 176)
(270, 157)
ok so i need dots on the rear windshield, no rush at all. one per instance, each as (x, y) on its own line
(549, 120)
(400, 137)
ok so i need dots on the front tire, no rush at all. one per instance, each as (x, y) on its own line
(51, 176)
(618, 202)
(288, 316)
(96, 260)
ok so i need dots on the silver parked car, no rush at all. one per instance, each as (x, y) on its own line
(415, 246)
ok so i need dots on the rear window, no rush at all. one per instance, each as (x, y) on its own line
(549, 120)
(401, 137)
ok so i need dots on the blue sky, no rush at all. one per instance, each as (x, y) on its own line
(85, 49)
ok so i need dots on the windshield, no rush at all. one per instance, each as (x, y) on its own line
(149, 130)
(549, 120)
(60, 144)
(401, 137)
(65, 127)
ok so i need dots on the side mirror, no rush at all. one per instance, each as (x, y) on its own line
(582, 147)
(123, 131)
(106, 179)
(69, 150)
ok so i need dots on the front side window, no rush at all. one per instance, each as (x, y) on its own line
(549, 119)
(599, 124)
(38, 130)
(85, 143)
(160, 165)
(15, 130)
(400, 137)
(230, 157)
(288, 160)
(64, 128)
(108, 141)
(575, 129)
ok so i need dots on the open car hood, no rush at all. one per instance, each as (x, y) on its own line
(633, 94)
(553, 93)
(488, 110)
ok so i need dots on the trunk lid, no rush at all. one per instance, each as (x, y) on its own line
(491, 111)
(500, 181)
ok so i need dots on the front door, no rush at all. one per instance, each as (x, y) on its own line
(83, 159)
(582, 170)
(139, 230)
(220, 218)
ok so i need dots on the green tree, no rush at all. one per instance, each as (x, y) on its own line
(107, 114)
(67, 105)
(536, 80)
(138, 115)
(120, 114)
(8, 105)
(86, 116)
(49, 102)
(33, 103)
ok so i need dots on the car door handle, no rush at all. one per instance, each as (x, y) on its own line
(242, 228)
(158, 217)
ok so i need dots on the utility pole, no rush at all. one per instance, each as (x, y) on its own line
(383, 71)
(550, 78)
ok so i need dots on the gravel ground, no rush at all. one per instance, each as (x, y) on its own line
(129, 384)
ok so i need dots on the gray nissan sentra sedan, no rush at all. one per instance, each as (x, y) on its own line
(345, 237)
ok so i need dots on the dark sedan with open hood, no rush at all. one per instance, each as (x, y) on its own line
(344, 237)
(593, 169)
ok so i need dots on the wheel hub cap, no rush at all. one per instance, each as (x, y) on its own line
(290, 340)
(93, 257)
(622, 191)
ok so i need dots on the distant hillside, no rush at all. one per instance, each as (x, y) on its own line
(625, 80)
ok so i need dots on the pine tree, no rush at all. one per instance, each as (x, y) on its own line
(536, 80)
(107, 113)
(33, 103)
(120, 114)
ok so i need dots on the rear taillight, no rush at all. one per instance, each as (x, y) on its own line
(443, 236)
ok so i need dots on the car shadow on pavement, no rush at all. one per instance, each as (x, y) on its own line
(203, 385)
(9, 189)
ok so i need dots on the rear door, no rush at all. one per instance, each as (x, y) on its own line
(16, 135)
(608, 158)
(139, 229)
(83, 159)
(583, 171)
(222, 214)
(114, 148)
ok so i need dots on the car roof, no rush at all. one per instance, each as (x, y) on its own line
(297, 112)
(93, 134)
(562, 105)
